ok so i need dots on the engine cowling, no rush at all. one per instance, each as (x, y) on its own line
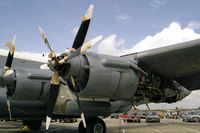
(103, 76)
(28, 84)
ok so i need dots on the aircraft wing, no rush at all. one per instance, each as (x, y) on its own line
(180, 62)
(21, 63)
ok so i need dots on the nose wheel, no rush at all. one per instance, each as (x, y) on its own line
(94, 125)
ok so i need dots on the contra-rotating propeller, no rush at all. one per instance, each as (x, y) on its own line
(56, 62)
(7, 71)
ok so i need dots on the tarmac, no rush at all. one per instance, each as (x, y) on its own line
(113, 126)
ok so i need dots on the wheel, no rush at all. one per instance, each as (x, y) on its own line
(33, 124)
(93, 125)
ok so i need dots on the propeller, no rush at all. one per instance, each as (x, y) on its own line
(7, 72)
(56, 62)
(54, 87)
(77, 97)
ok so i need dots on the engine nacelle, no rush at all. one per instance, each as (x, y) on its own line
(104, 76)
(153, 88)
(174, 95)
(28, 84)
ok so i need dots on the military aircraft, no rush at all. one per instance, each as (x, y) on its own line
(89, 85)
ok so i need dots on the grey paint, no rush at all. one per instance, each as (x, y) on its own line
(107, 81)
(31, 84)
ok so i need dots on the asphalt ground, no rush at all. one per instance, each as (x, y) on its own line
(113, 126)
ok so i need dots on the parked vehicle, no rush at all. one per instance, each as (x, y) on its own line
(143, 113)
(114, 115)
(131, 117)
(172, 115)
(68, 120)
(191, 116)
(183, 113)
(152, 117)
(161, 115)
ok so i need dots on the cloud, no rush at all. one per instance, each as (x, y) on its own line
(168, 36)
(123, 18)
(157, 3)
(75, 30)
(194, 25)
(110, 45)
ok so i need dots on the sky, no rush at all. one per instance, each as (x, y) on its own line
(126, 25)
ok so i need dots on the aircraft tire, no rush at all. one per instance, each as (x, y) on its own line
(33, 124)
(93, 125)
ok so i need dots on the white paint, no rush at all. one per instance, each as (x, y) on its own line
(158, 130)
(122, 123)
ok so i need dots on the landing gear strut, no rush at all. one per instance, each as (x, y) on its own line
(33, 124)
(94, 125)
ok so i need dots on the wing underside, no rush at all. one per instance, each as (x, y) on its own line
(180, 62)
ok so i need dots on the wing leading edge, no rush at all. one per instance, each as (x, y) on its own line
(180, 62)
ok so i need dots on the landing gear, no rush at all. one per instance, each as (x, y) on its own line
(94, 125)
(33, 124)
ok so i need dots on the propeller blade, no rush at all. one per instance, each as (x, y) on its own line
(79, 105)
(80, 37)
(8, 103)
(48, 121)
(90, 43)
(45, 39)
(14, 40)
(9, 111)
(85, 47)
(51, 54)
(55, 78)
(82, 49)
(53, 93)
(11, 47)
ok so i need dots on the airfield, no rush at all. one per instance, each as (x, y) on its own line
(113, 126)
